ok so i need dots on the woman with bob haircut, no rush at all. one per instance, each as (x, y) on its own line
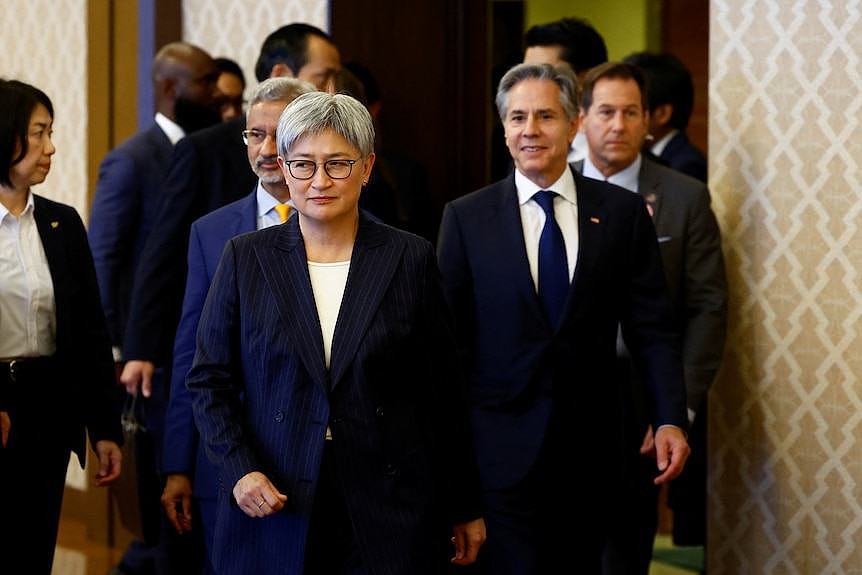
(327, 390)
(56, 370)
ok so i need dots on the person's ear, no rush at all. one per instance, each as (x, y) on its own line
(281, 70)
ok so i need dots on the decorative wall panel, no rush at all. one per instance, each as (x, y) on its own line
(786, 415)
(47, 47)
(237, 29)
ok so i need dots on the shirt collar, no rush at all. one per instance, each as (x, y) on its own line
(659, 146)
(265, 201)
(564, 187)
(28, 208)
(627, 178)
(171, 129)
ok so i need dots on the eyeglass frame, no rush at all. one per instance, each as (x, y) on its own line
(316, 164)
(247, 133)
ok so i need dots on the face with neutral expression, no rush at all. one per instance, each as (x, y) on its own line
(323, 61)
(230, 87)
(261, 124)
(615, 124)
(34, 167)
(538, 132)
(321, 197)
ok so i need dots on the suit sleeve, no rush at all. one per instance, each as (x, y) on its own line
(705, 293)
(456, 281)
(215, 379)
(101, 417)
(158, 288)
(113, 219)
(647, 323)
(181, 435)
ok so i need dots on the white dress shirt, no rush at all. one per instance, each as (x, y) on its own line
(659, 146)
(28, 322)
(266, 214)
(533, 218)
(171, 129)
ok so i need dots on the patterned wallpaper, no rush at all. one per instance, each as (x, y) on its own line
(786, 414)
(237, 29)
(47, 47)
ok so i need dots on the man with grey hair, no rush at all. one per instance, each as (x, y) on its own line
(540, 269)
(184, 461)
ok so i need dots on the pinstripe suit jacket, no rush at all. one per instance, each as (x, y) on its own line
(392, 398)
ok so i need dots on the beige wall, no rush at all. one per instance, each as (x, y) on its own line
(47, 47)
(786, 413)
(237, 29)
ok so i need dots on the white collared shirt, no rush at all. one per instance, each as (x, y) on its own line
(533, 218)
(579, 148)
(171, 129)
(266, 214)
(627, 178)
(28, 322)
(659, 146)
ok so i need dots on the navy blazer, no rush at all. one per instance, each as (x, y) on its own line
(207, 240)
(683, 156)
(392, 397)
(124, 209)
(520, 368)
(209, 169)
(85, 398)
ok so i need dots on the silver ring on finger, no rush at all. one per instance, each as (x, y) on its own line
(260, 503)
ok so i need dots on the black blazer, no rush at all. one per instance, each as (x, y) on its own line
(392, 397)
(84, 396)
(521, 370)
(681, 155)
(209, 169)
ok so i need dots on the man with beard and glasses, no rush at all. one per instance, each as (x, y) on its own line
(124, 212)
(190, 493)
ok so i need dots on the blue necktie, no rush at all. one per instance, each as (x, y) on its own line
(553, 263)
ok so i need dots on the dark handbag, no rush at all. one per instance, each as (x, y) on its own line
(137, 493)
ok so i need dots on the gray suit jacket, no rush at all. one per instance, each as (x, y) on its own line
(690, 244)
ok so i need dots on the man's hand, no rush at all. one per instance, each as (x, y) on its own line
(468, 538)
(110, 462)
(257, 496)
(178, 494)
(648, 445)
(671, 452)
(138, 374)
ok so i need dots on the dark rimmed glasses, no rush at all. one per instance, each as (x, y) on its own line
(305, 169)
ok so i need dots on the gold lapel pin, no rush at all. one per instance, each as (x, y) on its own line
(55, 225)
(594, 219)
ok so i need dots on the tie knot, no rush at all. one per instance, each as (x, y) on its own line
(545, 198)
(283, 210)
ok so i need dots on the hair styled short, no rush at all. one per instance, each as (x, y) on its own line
(613, 71)
(562, 76)
(318, 112)
(289, 46)
(278, 90)
(581, 45)
(17, 102)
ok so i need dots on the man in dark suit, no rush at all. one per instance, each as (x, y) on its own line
(670, 99)
(208, 171)
(131, 175)
(190, 476)
(541, 268)
(614, 118)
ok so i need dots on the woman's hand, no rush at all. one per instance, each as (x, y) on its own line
(257, 496)
(110, 459)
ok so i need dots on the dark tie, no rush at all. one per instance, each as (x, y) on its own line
(553, 263)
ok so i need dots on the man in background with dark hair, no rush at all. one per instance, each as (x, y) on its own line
(231, 84)
(571, 41)
(670, 98)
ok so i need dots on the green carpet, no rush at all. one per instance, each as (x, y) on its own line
(687, 559)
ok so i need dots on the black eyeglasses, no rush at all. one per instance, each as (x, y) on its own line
(305, 169)
(255, 137)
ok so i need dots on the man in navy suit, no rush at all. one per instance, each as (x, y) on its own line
(615, 119)
(184, 461)
(670, 99)
(131, 175)
(208, 170)
(541, 269)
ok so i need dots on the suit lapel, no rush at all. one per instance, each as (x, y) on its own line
(591, 226)
(52, 233)
(373, 262)
(246, 220)
(285, 267)
(509, 234)
(649, 187)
